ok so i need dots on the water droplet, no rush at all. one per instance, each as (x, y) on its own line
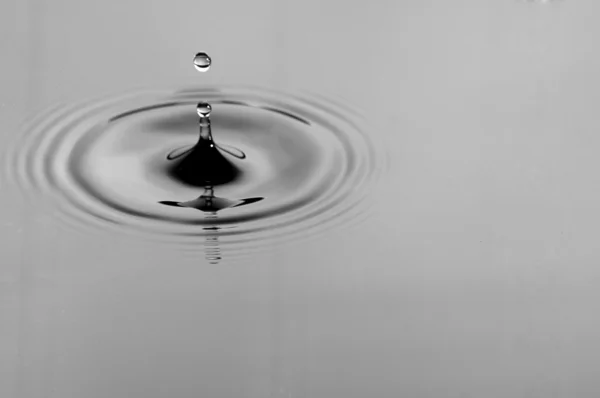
(203, 109)
(202, 62)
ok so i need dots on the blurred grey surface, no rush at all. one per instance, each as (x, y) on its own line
(476, 277)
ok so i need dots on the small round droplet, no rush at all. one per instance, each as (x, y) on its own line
(202, 62)
(203, 109)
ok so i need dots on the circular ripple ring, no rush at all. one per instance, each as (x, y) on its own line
(100, 162)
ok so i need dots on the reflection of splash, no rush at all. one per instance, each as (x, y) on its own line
(211, 204)
(211, 243)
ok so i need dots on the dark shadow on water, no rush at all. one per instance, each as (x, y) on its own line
(203, 164)
(209, 203)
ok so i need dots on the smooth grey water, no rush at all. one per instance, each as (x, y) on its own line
(474, 275)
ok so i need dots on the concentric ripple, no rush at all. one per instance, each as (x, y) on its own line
(308, 165)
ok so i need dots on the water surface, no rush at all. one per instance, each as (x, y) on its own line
(474, 274)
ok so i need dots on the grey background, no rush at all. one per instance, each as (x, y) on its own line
(476, 277)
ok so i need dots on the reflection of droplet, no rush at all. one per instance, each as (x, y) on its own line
(203, 109)
(202, 62)
(211, 243)
(209, 203)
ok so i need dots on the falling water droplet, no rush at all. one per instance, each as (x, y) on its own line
(202, 62)
(203, 109)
